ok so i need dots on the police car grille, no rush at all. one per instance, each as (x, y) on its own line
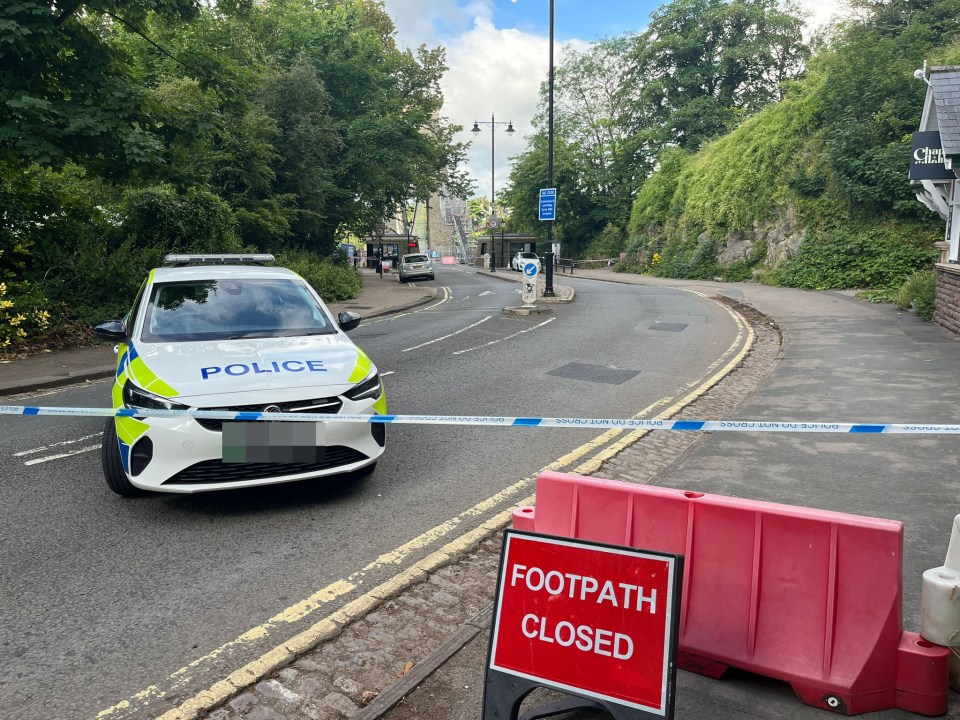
(327, 406)
(215, 471)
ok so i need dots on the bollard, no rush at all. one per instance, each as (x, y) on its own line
(940, 604)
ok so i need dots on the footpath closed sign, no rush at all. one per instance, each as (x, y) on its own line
(597, 621)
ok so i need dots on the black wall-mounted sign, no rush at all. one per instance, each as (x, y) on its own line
(926, 159)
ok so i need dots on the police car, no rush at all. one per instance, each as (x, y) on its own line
(228, 332)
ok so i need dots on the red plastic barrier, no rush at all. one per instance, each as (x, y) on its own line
(807, 596)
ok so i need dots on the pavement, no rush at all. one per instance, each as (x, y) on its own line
(816, 356)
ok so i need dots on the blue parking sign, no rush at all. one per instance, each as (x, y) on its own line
(548, 204)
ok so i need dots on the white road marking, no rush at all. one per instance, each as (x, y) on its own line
(486, 292)
(48, 458)
(388, 372)
(494, 342)
(447, 295)
(42, 448)
(431, 342)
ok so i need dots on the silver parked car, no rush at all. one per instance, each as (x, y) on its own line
(415, 266)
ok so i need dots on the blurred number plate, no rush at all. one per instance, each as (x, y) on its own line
(273, 442)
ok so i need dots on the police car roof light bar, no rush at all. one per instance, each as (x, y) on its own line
(245, 259)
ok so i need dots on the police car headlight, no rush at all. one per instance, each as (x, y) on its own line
(369, 387)
(134, 397)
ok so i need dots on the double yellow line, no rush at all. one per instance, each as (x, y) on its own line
(584, 460)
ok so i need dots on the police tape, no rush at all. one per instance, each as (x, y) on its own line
(539, 422)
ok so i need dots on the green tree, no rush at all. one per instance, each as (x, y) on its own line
(596, 162)
(597, 108)
(129, 129)
(307, 147)
(384, 107)
(872, 102)
(579, 219)
(66, 93)
(705, 65)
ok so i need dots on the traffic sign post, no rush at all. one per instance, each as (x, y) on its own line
(548, 212)
(596, 621)
(548, 204)
(492, 224)
(529, 292)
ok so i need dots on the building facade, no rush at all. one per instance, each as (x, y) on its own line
(934, 168)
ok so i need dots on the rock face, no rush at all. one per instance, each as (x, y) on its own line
(782, 237)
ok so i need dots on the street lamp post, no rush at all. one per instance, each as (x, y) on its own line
(493, 155)
(548, 287)
(549, 260)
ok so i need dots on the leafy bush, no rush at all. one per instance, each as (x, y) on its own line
(23, 316)
(102, 283)
(861, 253)
(197, 221)
(333, 277)
(918, 293)
(606, 245)
(694, 258)
(653, 202)
(95, 273)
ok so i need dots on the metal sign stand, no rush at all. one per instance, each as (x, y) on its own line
(504, 693)
(624, 687)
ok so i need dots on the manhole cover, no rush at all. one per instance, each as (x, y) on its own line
(594, 373)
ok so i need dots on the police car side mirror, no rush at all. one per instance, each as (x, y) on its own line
(112, 330)
(348, 321)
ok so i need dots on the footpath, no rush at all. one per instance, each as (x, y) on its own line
(833, 358)
(817, 357)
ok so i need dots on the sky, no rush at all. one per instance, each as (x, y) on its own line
(497, 54)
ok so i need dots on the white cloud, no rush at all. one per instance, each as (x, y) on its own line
(492, 71)
(497, 73)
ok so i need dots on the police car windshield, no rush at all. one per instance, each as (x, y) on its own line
(232, 309)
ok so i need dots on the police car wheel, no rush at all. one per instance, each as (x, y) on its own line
(112, 465)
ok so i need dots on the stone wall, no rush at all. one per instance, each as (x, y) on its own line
(947, 308)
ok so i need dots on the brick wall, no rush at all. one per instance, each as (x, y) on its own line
(947, 308)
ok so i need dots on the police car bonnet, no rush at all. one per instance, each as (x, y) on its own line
(205, 368)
